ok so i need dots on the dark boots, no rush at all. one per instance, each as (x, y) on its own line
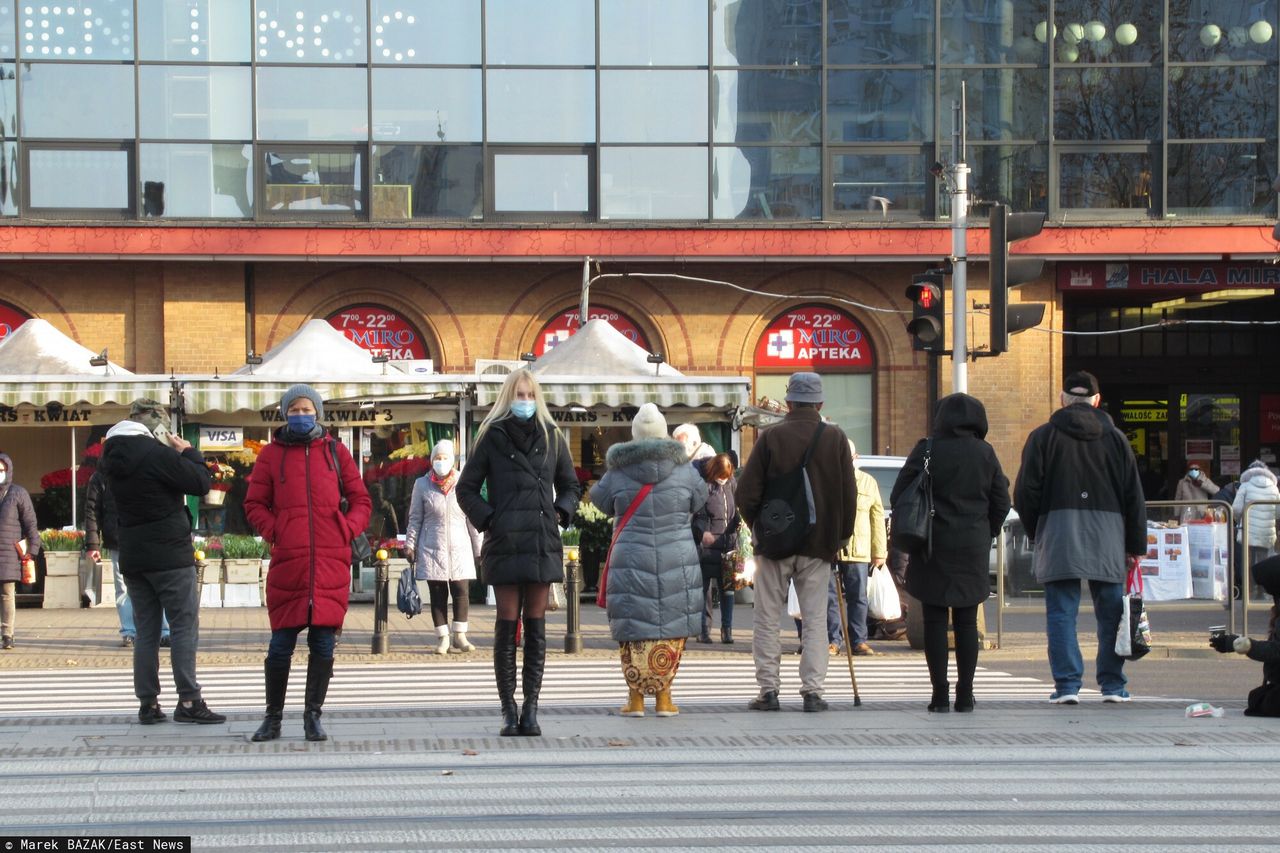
(277, 679)
(535, 658)
(504, 672)
(319, 671)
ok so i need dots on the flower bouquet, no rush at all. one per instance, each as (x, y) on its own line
(739, 565)
(222, 475)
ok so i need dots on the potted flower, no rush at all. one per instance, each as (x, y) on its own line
(595, 531)
(222, 475)
(242, 558)
(61, 550)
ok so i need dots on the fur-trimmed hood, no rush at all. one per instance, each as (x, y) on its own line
(1258, 475)
(648, 460)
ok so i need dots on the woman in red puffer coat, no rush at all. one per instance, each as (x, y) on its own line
(293, 501)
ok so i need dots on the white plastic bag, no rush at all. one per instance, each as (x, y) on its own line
(882, 596)
(793, 602)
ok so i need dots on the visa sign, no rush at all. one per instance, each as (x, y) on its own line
(221, 438)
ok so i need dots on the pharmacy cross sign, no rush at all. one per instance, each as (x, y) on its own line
(814, 336)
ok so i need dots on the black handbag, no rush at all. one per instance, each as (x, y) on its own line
(361, 547)
(911, 527)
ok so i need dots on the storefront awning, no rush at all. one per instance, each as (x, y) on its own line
(721, 392)
(82, 390)
(255, 393)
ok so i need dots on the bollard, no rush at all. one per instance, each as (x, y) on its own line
(381, 592)
(573, 603)
(200, 564)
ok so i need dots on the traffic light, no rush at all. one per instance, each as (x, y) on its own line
(1006, 272)
(928, 312)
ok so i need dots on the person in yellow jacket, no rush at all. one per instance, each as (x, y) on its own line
(865, 550)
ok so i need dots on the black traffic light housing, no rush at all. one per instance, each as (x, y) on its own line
(1006, 272)
(928, 312)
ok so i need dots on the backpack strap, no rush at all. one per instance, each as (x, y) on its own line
(813, 444)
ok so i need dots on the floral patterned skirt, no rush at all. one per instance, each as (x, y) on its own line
(649, 666)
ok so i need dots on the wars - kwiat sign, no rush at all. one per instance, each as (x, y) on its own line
(814, 336)
(381, 331)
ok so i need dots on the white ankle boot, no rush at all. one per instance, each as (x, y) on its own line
(442, 638)
(460, 643)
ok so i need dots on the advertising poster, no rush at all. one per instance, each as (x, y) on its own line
(1209, 568)
(1166, 569)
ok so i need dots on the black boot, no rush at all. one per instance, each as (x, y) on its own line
(504, 672)
(277, 678)
(319, 671)
(535, 658)
(935, 655)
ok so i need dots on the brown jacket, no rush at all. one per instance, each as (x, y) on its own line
(780, 449)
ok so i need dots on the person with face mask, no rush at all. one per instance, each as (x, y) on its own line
(442, 545)
(1195, 486)
(17, 524)
(294, 502)
(715, 533)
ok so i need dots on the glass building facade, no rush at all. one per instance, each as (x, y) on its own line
(622, 111)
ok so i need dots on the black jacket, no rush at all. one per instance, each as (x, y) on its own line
(970, 499)
(528, 494)
(149, 481)
(719, 517)
(17, 521)
(101, 523)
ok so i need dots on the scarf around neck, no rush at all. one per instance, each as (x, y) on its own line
(445, 484)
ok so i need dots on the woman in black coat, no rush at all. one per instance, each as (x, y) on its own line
(523, 461)
(17, 523)
(971, 500)
(715, 532)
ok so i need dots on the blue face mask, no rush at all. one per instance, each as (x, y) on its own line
(301, 424)
(524, 409)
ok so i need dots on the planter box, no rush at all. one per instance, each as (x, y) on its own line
(243, 570)
(212, 572)
(62, 592)
(61, 563)
(215, 497)
(242, 595)
(395, 566)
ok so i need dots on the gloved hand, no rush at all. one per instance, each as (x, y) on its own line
(1224, 643)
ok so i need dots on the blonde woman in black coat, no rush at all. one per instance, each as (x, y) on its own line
(971, 500)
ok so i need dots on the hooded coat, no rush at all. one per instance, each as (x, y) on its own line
(442, 541)
(970, 499)
(1257, 483)
(150, 481)
(293, 503)
(17, 522)
(1080, 497)
(655, 584)
(101, 522)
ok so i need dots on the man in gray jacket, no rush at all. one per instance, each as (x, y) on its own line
(1080, 498)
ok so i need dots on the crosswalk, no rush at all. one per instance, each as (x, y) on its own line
(469, 684)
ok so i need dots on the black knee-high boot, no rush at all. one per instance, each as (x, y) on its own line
(935, 655)
(535, 658)
(504, 672)
(319, 672)
(277, 679)
(966, 627)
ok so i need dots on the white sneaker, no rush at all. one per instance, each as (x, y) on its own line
(1115, 697)
(1065, 699)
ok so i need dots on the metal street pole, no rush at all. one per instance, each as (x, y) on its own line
(959, 252)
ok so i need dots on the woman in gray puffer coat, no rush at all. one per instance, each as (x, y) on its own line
(654, 585)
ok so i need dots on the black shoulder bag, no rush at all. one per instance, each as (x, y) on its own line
(911, 527)
(361, 548)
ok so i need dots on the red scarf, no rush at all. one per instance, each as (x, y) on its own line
(445, 484)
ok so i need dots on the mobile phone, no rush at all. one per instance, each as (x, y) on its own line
(161, 432)
(1217, 631)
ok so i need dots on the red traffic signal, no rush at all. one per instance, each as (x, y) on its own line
(928, 312)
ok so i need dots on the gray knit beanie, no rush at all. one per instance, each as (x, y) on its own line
(301, 390)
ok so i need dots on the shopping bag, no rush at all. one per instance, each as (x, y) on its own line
(882, 596)
(1133, 635)
(556, 599)
(793, 602)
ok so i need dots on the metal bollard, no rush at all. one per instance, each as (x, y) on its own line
(381, 595)
(573, 605)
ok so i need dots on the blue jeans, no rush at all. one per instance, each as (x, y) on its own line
(124, 607)
(320, 643)
(1062, 604)
(854, 578)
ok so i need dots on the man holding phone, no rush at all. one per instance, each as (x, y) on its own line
(149, 471)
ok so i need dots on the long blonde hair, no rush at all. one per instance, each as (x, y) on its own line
(502, 405)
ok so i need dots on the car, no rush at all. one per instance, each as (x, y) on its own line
(1019, 575)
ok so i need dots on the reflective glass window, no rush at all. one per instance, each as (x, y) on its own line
(655, 32)
(1017, 175)
(427, 105)
(541, 105)
(653, 106)
(1002, 103)
(8, 29)
(89, 180)
(550, 183)
(1107, 103)
(545, 32)
(8, 101)
(848, 401)
(883, 185)
(980, 32)
(9, 179)
(653, 183)
(194, 102)
(310, 31)
(766, 32)
(308, 179)
(206, 181)
(1222, 30)
(428, 182)
(77, 101)
(77, 29)
(1226, 179)
(312, 103)
(1117, 32)
(881, 104)
(1217, 101)
(767, 106)
(426, 32)
(195, 30)
(879, 32)
(766, 183)
(1105, 180)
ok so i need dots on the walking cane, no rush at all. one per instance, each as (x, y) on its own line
(844, 630)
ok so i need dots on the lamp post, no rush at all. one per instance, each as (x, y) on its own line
(573, 605)
(381, 591)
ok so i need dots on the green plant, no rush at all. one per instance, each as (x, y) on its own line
(594, 528)
(62, 540)
(236, 547)
(570, 536)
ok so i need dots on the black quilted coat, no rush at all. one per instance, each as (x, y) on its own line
(17, 521)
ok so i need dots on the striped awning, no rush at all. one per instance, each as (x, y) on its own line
(82, 390)
(255, 393)
(720, 392)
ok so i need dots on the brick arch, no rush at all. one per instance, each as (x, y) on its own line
(554, 305)
(26, 286)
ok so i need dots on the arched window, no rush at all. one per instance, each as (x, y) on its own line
(381, 330)
(10, 319)
(565, 323)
